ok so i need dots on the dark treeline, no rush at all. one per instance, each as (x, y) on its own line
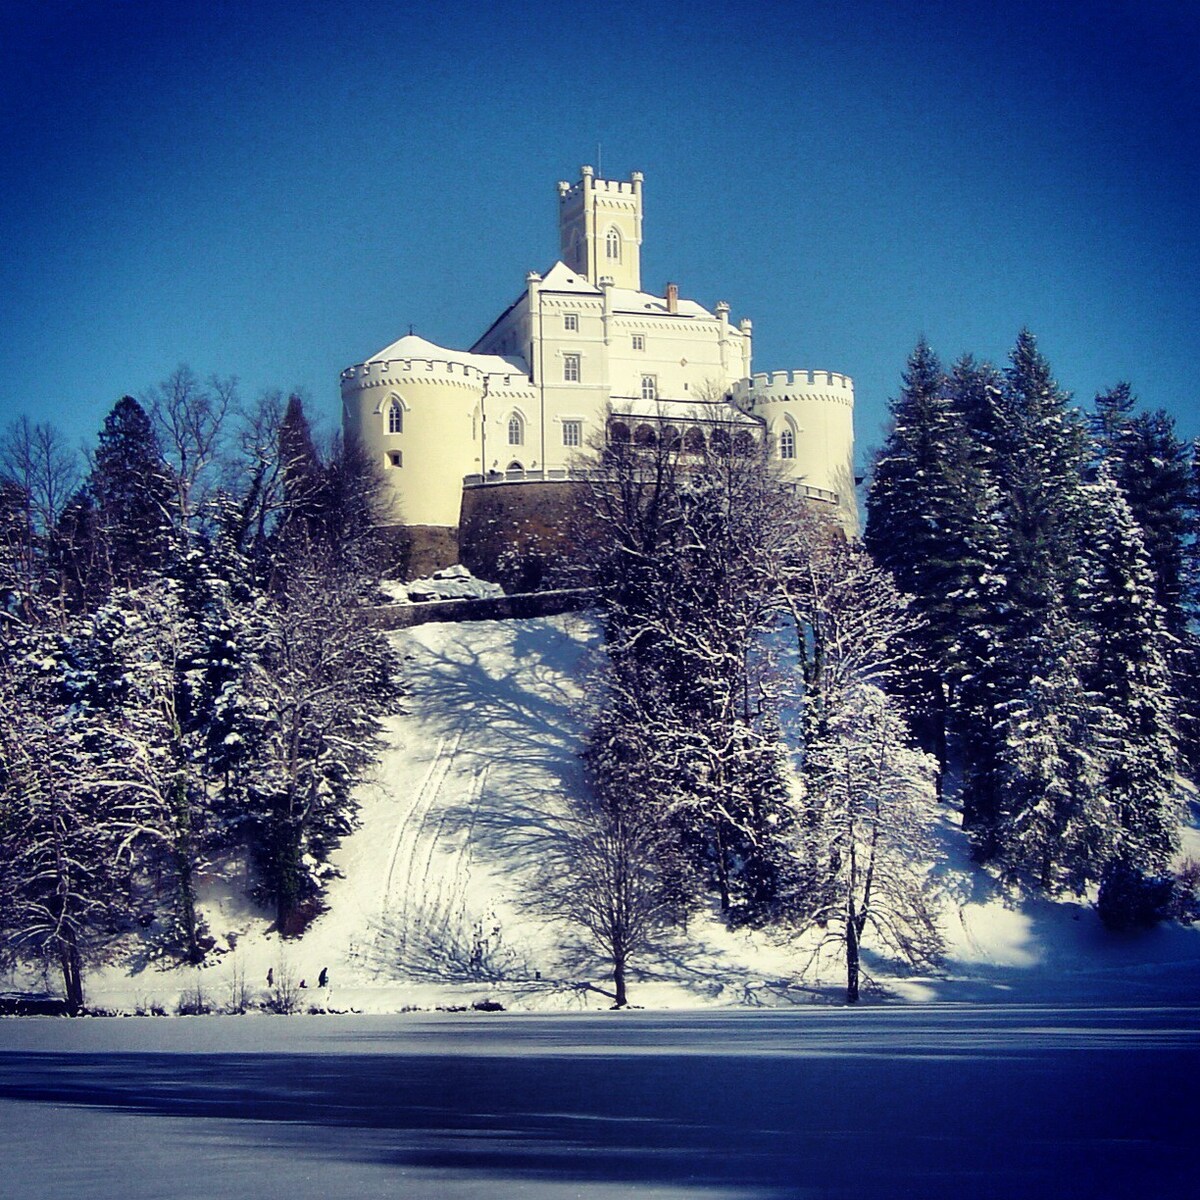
(183, 682)
(1051, 557)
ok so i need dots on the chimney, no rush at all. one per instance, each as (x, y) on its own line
(672, 297)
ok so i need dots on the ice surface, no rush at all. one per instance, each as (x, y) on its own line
(937, 1101)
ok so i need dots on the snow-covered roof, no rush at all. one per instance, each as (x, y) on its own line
(626, 300)
(560, 278)
(412, 345)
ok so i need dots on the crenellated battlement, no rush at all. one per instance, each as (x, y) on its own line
(766, 387)
(609, 187)
(395, 371)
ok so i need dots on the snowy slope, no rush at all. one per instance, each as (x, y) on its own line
(432, 906)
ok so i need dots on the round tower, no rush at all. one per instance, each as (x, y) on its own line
(415, 409)
(810, 418)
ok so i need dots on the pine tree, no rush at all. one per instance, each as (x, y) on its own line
(78, 554)
(144, 666)
(1026, 806)
(133, 494)
(1152, 466)
(1132, 680)
(1054, 826)
(930, 521)
(310, 706)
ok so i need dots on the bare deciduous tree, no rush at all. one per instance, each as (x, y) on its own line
(604, 876)
(865, 840)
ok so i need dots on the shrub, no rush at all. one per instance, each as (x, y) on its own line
(1185, 901)
(1130, 899)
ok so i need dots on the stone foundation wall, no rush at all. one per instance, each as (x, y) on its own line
(419, 550)
(518, 534)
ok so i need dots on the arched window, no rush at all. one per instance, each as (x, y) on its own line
(720, 442)
(743, 444)
(693, 441)
(516, 430)
(671, 438)
(787, 442)
(618, 432)
(516, 466)
(644, 435)
(395, 417)
(612, 245)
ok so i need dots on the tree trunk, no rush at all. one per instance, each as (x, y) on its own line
(619, 982)
(942, 750)
(722, 869)
(72, 973)
(851, 960)
(187, 907)
(186, 897)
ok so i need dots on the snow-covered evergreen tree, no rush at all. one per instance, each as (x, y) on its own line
(1132, 680)
(157, 671)
(311, 706)
(134, 495)
(1054, 825)
(1033, 683)
(931, 522)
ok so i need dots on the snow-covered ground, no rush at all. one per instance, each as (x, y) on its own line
(450, 583)
(432, 907)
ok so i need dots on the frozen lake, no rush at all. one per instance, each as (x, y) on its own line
(926, 1102)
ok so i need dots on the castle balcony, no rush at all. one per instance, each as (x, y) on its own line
(553, 475)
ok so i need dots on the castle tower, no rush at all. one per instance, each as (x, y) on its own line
(809, 417)
(600, 228)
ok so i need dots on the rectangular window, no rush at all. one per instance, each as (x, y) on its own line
(572, 433)
(571, 322)
(639, 341)
(649, 387)
(570, 368)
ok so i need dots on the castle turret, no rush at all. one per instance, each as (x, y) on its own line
(810, 418)
(600, 228)
(421, 412)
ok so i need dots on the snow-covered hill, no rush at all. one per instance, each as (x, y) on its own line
(433, 904)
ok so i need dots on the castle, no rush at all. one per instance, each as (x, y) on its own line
(583, 354)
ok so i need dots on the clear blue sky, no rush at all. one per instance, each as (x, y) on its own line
(277, 190)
